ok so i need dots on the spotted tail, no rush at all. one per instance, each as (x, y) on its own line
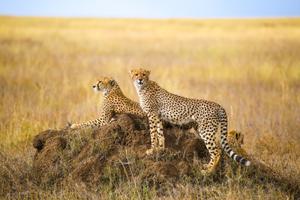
(224, 142)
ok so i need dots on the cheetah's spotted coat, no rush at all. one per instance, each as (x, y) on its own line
(114, 102)
(160, 105)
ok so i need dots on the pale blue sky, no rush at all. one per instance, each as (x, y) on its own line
(152, 8)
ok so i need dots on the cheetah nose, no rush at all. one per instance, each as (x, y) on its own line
(140, 80)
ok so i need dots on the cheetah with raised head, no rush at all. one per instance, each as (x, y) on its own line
(114, 102)
(160, 104)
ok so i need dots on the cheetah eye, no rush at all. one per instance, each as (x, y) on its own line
(136, 74)
(144, 74)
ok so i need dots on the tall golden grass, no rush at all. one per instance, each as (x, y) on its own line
(251, 67)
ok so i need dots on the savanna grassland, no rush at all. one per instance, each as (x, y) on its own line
(251, 67)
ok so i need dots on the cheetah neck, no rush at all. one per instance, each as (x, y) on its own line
(150, 87)
(113, 92)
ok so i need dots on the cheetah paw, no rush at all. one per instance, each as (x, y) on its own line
(149, 152)
(71, 126)
(67, 126)
(207, 170)
(112, 119)
(204, 172)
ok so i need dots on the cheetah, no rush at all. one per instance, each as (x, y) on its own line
(160, 104)
(114, 102)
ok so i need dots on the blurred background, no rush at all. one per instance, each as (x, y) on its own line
(244, 55)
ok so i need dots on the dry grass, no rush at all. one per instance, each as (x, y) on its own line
(251, 67)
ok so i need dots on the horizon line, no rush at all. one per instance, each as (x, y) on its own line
(150, 18)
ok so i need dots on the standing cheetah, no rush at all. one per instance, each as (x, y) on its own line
(114, 102)
(160, 105)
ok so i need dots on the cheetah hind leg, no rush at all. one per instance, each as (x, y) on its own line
(208, 134)
(212, 165)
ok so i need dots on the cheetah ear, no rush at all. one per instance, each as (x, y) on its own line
(237, 135)
(112, 82)
(131, 72)
(148, 72)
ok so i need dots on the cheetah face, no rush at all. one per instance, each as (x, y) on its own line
(105, 85)
(236, 137)
(140, 77)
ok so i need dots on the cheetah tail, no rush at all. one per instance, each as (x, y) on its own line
(224, 142)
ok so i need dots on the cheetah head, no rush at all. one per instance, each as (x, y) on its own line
(105, 85)
(235, 138)
(140, 77)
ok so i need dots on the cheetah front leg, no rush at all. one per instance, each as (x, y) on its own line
(105, 117)
(156, 133)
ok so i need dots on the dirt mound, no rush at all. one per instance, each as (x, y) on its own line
(89, 156)
(115, 153)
